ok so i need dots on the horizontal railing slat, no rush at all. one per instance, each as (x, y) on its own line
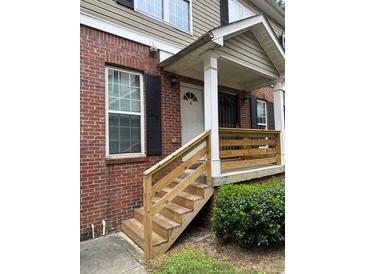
(248, 131)
(247, 163)
(246, 152)
(246, 142)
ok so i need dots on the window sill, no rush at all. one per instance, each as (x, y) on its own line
(125, 160)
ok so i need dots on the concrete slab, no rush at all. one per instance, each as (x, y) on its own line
(112, 254)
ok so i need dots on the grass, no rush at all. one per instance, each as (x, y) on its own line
(198, 251)
(189, 261)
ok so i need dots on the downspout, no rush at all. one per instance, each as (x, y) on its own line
(104, 227)
(93, 230)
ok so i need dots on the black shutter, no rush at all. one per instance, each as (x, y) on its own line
(127, 3)
(224, 13)
(153, 99)
(270, 115)
(253, 103)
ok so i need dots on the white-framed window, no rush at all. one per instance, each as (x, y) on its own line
(237, 11)
(177, 13)
(125, 115)
(261, 115)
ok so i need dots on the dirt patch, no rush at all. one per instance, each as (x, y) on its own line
(270, 260)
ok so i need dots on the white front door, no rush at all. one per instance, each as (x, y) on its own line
(192, 120)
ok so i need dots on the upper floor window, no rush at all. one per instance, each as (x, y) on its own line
(174, 12)
(237, 11)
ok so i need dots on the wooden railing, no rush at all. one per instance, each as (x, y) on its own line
(240, 148)
(174, 161)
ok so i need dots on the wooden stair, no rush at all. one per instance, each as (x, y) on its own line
(171, 203)
(172, 219)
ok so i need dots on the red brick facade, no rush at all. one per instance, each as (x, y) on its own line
(264, 94)
(111, 189)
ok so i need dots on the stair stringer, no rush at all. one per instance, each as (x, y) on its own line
(175, 233)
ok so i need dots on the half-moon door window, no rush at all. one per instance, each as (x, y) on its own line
(190, 97)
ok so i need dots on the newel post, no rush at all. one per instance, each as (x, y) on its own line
(211, 109)
(209, 161)
(147, 204)
(279, 114)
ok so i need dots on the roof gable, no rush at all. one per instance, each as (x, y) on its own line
(262, 31)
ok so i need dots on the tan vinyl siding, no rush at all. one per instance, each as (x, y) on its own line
(245, 49)
(205, 17)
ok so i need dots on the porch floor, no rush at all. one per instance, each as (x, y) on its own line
(247, 173)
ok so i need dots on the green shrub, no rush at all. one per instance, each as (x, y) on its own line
(192, 262)
(251, 214)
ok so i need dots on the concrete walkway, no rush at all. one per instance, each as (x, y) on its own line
(112, 254)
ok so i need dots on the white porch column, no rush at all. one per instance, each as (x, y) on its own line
(279, 114)
(211, 107)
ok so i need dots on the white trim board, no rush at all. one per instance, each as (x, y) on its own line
(103, 25)
(249, 174)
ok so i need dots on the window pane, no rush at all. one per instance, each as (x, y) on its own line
(124, 133)
(135, 80)
(124, 92)
(135, 133)
(135, 93)
(124, 121)
(135, 121)
(179, 13)
(113, 147)
(151, 7)
(124, 146)
(136, 106)
(114, 103)
(113, 132)
(124, 78)
(237, 11)
(135, 147)
(125, 105)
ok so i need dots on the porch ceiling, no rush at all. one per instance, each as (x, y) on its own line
(250, 55)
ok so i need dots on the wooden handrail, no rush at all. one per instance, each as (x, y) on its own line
(249, 131)
(249, 147)
(150, 190)
(177, 154)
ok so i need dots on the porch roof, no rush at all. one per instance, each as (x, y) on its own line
(250, 54)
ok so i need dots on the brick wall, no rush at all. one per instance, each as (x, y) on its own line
(264, 94)
(110, 190)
